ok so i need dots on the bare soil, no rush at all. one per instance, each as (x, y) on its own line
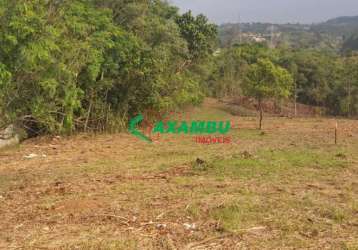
(286, 187)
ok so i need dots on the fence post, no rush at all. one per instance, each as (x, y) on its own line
(336, 133)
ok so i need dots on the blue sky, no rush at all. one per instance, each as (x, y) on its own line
(277, 11)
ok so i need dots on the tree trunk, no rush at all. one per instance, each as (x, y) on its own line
(295, 99)
(261, 113)
(89, 111)
(88, 116)
(349, 99)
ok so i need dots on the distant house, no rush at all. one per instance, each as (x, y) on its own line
(259, 39)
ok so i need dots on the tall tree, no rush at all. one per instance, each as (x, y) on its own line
(200, 35)
(266, 80)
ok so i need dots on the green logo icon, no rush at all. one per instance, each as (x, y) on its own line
(178, 128)
(133, 128)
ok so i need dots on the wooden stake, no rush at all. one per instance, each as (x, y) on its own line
(336, 133)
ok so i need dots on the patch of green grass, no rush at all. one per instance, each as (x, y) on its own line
(230, 217)
(239, 111)
(193, 210)
(237, 215)
(336, 214)
(268, 163)
(211, 114)
(250, 134)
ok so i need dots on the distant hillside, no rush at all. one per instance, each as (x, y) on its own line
(335, 34)
(350, 44)
(340, 26)
(344, 20)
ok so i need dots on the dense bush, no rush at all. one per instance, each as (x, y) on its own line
(78, 65)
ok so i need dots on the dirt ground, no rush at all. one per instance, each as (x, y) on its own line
(286, 187)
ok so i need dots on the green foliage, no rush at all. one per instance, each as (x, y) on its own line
(232, 65)
(350, 44)
(346, 93)
(320, 78)
(324, 79)
(228, 74)
(5, 76)
(200, 35)
(250, 70)
(315, 72)
(319, 57)
(55, 57)
(78, 65)
(265, 80)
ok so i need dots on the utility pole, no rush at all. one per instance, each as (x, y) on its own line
(350, 81)
(237, 32)
(295, 98)
(239, 27)
(271, 36)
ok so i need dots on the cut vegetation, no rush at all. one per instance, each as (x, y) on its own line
(287, 188)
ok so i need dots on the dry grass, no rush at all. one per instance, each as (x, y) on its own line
(287, 188)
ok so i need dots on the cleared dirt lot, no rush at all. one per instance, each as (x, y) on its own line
(287, 188)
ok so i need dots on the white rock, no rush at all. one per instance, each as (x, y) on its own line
(9, 137)
(31, 156)
(189, 226)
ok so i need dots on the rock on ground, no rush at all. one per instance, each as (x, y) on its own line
(9, 137)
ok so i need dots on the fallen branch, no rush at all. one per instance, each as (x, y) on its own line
(124, 219)
(195, 244)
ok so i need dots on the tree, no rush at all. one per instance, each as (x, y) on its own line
(89, 65)
(348, 90)
(229, 71)
(231, 67)
(287, 61)
(351, 44)
(266, 80)
(5, 79)
(200, 35)
(56, 53)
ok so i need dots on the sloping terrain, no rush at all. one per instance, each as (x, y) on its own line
(288, 187)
